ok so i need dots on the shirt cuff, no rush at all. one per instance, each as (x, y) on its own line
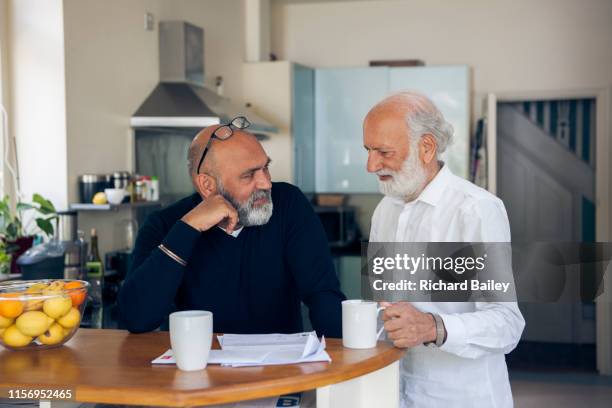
(181, 239)
(456, 336)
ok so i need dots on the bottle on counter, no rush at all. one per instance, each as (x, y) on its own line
(154, 188)
(140, 189)
(82, 255)
(95, 277)
(149, 188)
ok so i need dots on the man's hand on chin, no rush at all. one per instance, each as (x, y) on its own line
(406, 326)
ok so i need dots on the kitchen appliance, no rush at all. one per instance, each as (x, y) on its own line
(90, 184)
(181, 99)
(61, 258)
(121, 179)
(75, 247)
(44, 261)
(339, 223)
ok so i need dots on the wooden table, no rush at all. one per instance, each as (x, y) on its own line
(114, 367)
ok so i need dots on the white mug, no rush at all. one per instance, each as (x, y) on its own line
(191, 338)
(359, 324)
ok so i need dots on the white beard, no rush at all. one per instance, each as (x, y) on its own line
(248, 214)
(406, 183)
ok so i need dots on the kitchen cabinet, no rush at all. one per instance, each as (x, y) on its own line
(343, 96)
(303, 127)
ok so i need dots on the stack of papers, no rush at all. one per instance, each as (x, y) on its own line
(245, 350)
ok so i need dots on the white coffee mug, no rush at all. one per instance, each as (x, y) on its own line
(191, 334)
(359, 324)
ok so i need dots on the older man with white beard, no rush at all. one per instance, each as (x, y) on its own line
(242, 247)
(456, 350)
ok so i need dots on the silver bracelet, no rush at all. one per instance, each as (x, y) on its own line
(172, 255)
(440, 330)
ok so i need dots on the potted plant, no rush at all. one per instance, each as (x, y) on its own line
(5, 260)
(17, 237)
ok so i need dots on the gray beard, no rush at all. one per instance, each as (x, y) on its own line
(248, 215)
(406, 183)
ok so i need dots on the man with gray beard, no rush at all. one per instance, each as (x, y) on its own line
(242, 247)
(456, 350)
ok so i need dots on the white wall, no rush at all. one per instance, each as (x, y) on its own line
(37, 96)
(5, 185)
(269, 86)
(511, 45)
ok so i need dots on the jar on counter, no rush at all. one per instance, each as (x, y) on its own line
(140, 190)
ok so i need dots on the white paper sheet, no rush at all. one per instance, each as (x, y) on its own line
(243, 350)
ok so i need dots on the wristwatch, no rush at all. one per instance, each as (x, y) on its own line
(440, 332)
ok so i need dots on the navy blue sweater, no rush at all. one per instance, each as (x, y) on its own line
(252, 283)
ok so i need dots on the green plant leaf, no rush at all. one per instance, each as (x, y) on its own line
(12, 231)
(25, 206)
(5, 209)
(46, 206)
(4, 205)
(45, 225)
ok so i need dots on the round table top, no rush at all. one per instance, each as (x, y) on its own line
(114, 367)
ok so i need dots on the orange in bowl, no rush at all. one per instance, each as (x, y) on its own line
(76, 291)
(8, 307)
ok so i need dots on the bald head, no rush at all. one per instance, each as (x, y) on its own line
(240, 142)
(420, 115)
(236, 168)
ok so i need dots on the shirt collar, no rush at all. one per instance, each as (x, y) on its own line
(234, 233)
(435, 188)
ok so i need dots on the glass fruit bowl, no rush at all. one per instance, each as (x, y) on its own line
(40, 313)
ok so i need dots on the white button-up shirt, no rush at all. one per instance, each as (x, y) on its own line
(469, 370)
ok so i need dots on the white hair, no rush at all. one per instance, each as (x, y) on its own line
(422, 117)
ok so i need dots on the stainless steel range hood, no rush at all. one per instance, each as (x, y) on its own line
(181, 99)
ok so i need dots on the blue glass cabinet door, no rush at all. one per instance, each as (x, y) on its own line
(343, 98)
(303, 128)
